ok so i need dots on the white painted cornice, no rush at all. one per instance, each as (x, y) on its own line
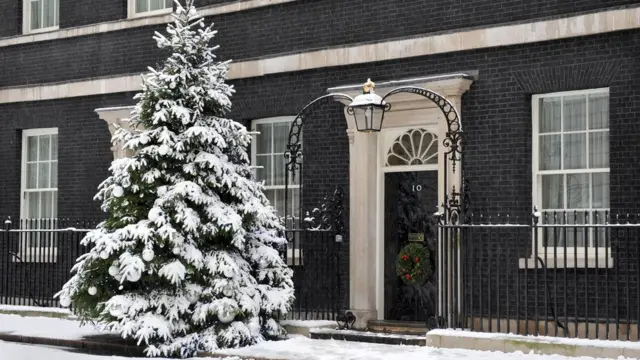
(116, 117)
(446, 85)
(506, 35)
(138, 21)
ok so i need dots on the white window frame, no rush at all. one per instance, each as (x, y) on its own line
(557, 258)
(274, 120)
(131, 10)
(26, 19)
(26, 253)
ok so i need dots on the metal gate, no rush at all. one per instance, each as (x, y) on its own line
(315, 234)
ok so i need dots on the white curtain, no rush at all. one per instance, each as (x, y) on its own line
(567, 141)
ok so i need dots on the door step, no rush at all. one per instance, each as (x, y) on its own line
(397, 327)
(368, 337)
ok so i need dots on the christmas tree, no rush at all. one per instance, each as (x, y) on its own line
(187, 259)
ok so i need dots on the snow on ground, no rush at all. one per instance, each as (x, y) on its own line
(302, 348)
(539, 339)
(296, 348)
(35, 309)
(46, 327)
(12, 351)
(309, 323)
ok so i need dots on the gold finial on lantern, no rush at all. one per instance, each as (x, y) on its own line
(368, 86)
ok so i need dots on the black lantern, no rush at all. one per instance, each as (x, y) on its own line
(368, 109)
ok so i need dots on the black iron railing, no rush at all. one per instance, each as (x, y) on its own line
(316, 259)
(36, 257)
(571, 274)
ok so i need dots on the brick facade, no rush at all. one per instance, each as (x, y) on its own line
(10, 18)
(264, 31)
(496, 112)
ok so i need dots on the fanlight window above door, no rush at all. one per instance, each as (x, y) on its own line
(415, 147)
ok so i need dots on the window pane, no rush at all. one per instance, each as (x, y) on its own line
(54, 174)
(33, 205)
(54, 147)
(600, 189)
(270, 194)
(156, 4)
(280, 136)
(599, 149)
(44, 147)
(279, 198)
(264, 173)
(263, 140)
(32, 176)
(278, 170)
(54, 205)
(43, 175)
(294, 201)
(550, 115)
(47, 205)
(49, 13)
(36, 14)
(576, 236)
(575, 151)
(141, 6)
(549, 152)
(168, 4)
(578, 191)
(575, 117)
(552, 191)
(599, 111)
(32, 148)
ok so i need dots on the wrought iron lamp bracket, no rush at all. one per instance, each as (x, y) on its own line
(293, 152)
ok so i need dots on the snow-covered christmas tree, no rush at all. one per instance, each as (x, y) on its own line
(187, 259)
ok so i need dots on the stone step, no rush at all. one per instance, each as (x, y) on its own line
(368, 337)
(397, 327)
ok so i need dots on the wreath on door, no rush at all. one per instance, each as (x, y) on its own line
(414, 264)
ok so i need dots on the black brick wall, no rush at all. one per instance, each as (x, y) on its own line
(79, 12)
(270, 30)
(497, 120)
(84, 154)
(10, 18)
(496, 114)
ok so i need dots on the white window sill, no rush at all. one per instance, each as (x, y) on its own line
(41, 30)
(570, 262)
(37, 256)
(135, 15)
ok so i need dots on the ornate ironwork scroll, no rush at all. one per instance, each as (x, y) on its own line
(330, 214)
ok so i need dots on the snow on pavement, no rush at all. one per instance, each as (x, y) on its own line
(302, 348)
(46, 327)
(12, 351)
(39, 309)
(296, 348)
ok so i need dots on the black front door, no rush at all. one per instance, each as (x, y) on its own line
(411, 199)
